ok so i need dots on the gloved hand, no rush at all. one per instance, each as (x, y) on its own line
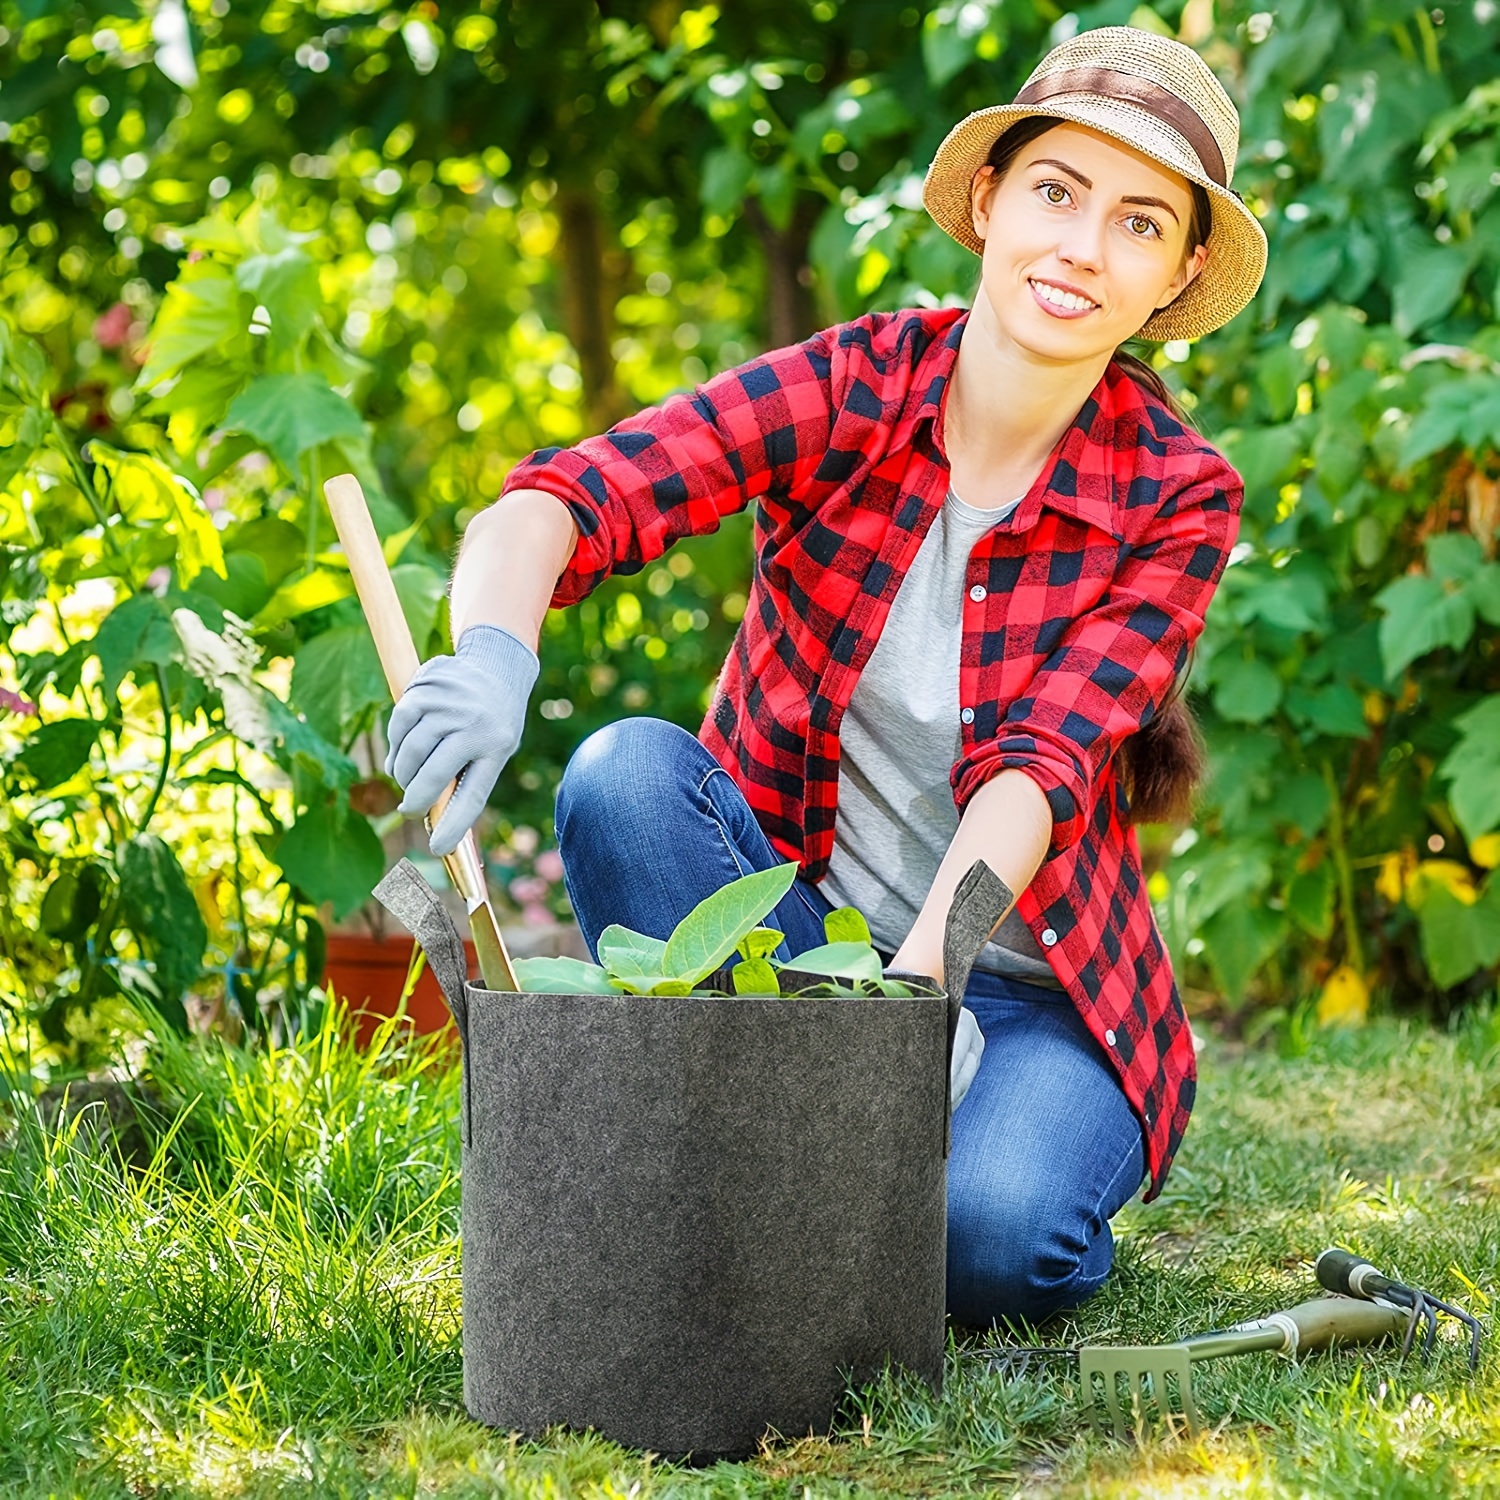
(460, 716)
(968, 1048)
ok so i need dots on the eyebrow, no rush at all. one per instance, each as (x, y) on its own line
(1077, 176)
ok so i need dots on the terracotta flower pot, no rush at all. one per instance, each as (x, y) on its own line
(370, 973)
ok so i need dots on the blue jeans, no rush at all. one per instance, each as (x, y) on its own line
(1046, 1149)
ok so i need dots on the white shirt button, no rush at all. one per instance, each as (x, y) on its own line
(978, 592)
(967, 716)
(1109, 1037)
(1049, 937)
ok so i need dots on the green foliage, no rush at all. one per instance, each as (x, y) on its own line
(422, 250)
(722, 924)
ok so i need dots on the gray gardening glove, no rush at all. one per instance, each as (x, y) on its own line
(968, 1048)
(460, 716)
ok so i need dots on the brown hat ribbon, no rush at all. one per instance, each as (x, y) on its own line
(1162, 102)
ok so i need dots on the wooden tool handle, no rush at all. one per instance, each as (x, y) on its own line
(372, 581)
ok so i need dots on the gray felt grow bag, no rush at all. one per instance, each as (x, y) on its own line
(687, 1220)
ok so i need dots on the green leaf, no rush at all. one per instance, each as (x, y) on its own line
(279, 545)
(1472, 768)
(1421, 616)
(1302, 801)
(839, 960)
(137, 630)
(561, 976)
(336, 677)
(713, 929)
(628, 955)
(421, 591)
(200, 312)
(1334, 710)
(305, 594)
(286, 284)
(1245, 692)
(762, 942)
(726, 177)
(1453, 556)
(30, 431)
(1484, 590)
(157, 904)
(58, 751)
(846, 924)
(672, 987)
(292, 414)
(148, 492)
(1430, 280)
(332, 854)
(1237, 941)
(1309, 899)
(1459, 940)
(755, 977)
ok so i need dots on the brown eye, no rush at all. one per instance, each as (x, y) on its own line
(1140, 224)
(1056, 192)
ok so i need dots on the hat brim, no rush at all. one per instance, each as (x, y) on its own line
(1236, 243)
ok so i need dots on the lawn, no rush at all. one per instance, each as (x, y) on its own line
(270, 1307)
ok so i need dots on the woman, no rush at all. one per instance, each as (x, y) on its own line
(984, 547)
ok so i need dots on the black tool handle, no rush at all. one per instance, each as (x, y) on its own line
(1343, 1271)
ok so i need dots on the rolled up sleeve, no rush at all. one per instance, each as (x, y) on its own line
(1116, 664)
(678, 469)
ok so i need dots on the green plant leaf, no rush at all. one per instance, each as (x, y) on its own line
(292, 414)
(761, 942)
(672, 987)
(755, 977)
(839, 960)
(157, 904)
(58, 751)
(200, 312)
(336, 677)
(1421, 616)
(846, 924)
(421, 591)
(629, 955)
(1246, 692)
(303, 595)
(1237, 941)
(1472, 767)
(561, 976)
(286, 284)
(1335, 710)
(1459, 940)
(714, 928)
(1309, 899)
(332, 854)
(148, 492)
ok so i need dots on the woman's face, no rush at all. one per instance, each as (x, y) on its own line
(1084, 238)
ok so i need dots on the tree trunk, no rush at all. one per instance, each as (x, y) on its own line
(588, 306)
(791, 313)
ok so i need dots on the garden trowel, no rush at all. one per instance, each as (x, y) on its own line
(398, 659)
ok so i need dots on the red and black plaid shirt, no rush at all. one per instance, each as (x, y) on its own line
(1079, 614)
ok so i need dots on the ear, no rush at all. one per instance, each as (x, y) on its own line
(981, 190)
(1190, 268)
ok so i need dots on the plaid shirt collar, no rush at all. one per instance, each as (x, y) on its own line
(1073, 483)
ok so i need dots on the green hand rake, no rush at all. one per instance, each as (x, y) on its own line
(1137, 1388)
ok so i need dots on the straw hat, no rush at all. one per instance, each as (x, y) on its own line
(1155, 95)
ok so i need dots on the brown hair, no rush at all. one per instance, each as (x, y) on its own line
(1162, 764)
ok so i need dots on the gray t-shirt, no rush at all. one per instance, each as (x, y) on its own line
(897, 744)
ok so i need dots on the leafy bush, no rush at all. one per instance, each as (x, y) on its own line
(657, 193)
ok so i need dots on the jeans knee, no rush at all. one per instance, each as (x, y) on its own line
(617, 771)
(1023, 1258)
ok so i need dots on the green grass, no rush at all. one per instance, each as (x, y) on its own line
(271, 1307)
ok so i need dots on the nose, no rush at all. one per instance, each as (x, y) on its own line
(1082, 242)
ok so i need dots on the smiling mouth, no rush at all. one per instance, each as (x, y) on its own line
(1067, 301)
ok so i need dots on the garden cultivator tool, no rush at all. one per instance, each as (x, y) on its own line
(1130, 1388)
(398, 658)
(1343, 1271)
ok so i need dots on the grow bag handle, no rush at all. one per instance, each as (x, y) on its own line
(981, 903)
(415, 904)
